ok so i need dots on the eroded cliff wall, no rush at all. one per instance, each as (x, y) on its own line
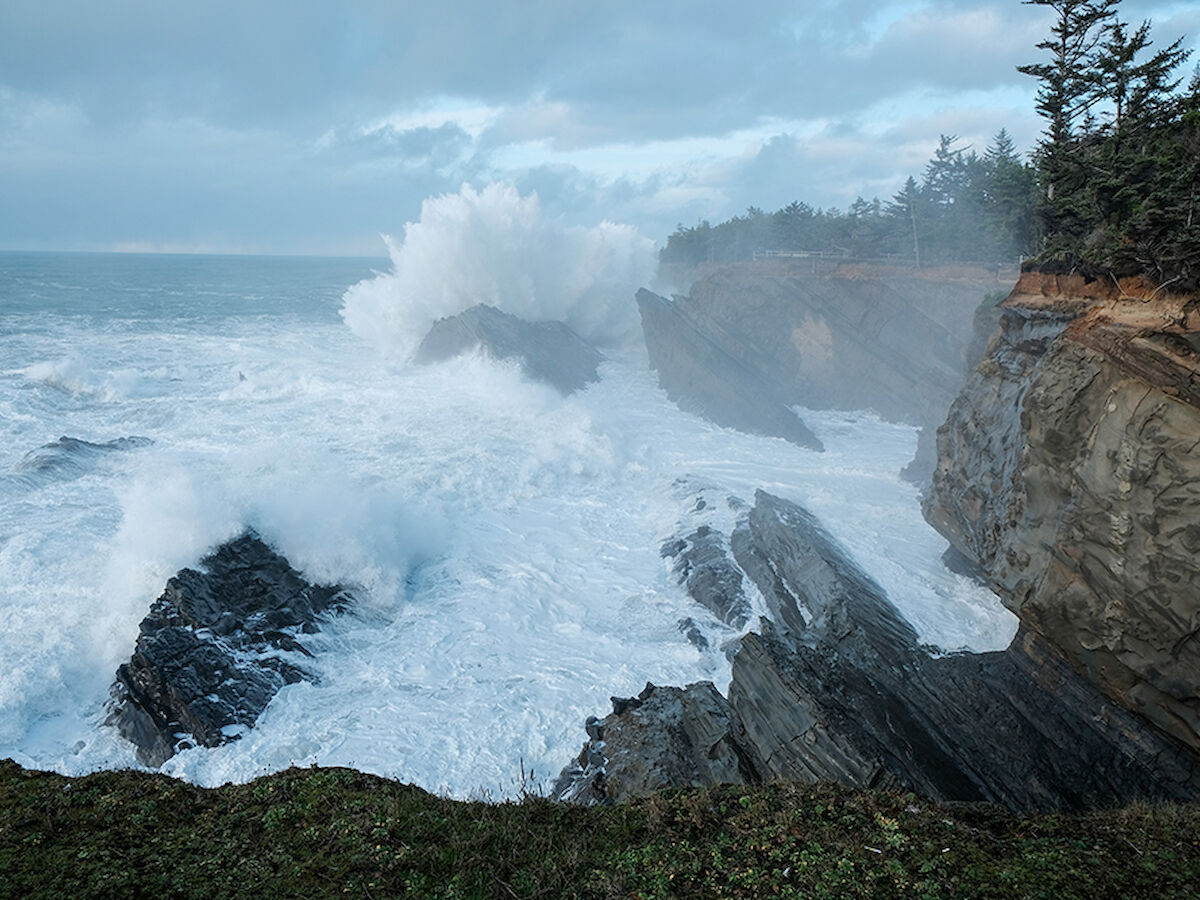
(818, 335)
(1069, 469)
(892, 340)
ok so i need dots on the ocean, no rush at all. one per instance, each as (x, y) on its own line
(502, 541)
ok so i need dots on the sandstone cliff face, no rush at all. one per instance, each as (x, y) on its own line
(1069, 469)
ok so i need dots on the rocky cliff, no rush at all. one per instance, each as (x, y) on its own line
(1069, 469)
(821, 336)
(836, 687)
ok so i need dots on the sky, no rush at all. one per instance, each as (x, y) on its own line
(296, 126)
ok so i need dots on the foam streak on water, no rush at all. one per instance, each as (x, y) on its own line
(503, 540)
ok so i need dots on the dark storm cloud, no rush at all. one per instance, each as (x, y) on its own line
(630, 69)
(435, 146)
(297, 124)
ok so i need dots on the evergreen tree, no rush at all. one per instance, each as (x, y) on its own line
(908, 207)
(1118, 160)
(1066, 94)
(1010, 199)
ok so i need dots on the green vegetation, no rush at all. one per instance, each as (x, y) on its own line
(1119, 163)
(1113, 187)
(334, 832)
(965, 208)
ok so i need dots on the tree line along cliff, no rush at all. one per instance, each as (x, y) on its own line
(1113, 186)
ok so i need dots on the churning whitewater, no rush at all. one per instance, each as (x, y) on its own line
(502, 541)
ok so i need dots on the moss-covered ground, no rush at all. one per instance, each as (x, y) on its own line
(335, 832)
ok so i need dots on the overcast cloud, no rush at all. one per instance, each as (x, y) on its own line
(312, 127)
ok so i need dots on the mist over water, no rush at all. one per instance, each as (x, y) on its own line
(502, 541)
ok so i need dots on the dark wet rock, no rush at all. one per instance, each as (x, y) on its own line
(703, 378)
(665, 737)
(215, 648)
(702, 563)
(70, 457)
(547, 351)
(689, 629)
(836, 686)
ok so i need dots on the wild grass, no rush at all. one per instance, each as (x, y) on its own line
(337, 833)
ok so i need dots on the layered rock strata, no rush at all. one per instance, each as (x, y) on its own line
(750, 339)
(836, 686)
(215, 648)
(702, 377)
(1069, 470)
(546, 351)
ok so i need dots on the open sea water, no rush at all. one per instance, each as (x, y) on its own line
(502, 541)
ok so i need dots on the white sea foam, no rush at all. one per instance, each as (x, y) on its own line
(502, 540)
(494, 246)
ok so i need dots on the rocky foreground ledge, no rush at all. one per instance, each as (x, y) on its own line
(338, 833)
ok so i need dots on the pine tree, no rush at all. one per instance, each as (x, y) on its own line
(1010, 199)
(1066, 95)
(907, 206)
(1137, 89)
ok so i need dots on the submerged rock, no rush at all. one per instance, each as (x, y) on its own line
(547, 351)
(215, 648)
(836, 686)
(70, 457)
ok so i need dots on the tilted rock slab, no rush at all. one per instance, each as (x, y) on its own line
(837, 687)
(215, 648)
(702, 377)
(1069, 470)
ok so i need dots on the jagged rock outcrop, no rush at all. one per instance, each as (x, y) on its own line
(702, 564)
(215, 648)
(702, 377)
(1069, 470)
(664, 737)
(842, 337)
(548, 351)
(836, 686)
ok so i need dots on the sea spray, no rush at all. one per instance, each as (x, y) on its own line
(506, 538)
(495, 246)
